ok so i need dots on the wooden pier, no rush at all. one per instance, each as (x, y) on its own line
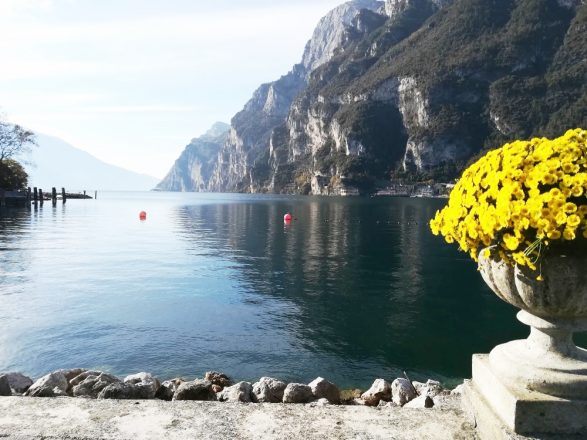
(36, 197)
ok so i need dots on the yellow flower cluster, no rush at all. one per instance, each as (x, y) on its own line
(523, 193)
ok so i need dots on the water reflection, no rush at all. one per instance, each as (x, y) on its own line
(360, 281)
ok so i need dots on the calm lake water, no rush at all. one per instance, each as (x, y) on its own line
(352, 290)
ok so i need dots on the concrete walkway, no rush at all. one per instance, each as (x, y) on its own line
(68, 418)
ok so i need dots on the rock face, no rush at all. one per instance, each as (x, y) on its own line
(380, 390)
(240, 392)
(322, 389)
(18, 382)
(402, 391)
(192, 171)
(297, 393)
(195, 390)
(269, 390)
(332, 32)
(359, 108)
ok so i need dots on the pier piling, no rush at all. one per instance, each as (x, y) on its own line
(41, 198)
(35, 195)
(54, 196)
(63, 195)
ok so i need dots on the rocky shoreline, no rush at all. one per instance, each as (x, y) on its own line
(215, 386)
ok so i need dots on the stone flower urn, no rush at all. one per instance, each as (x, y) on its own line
(536, 385)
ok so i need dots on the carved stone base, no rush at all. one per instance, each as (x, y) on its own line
(503, 411)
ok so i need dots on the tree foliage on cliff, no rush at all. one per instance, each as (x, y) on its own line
(491, 70)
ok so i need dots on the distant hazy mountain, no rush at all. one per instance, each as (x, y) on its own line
(57, 163)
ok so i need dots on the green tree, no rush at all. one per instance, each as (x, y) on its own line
(12, 175)
(14, 142)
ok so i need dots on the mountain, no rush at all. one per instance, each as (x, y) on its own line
(55, 163)
(193, 169)
(410, 89)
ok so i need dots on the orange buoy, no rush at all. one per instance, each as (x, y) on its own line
(287, 218)
(142, 215)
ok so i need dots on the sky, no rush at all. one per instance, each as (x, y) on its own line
(133, 81)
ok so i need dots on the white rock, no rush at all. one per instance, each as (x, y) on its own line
(297, 393)
(91, 383)
(321, 388)
(380, 390)
(269, 390)
(422, 401)
(240, 392)
(457, 391)
(144, 381)
(402, 391)
(51, 385)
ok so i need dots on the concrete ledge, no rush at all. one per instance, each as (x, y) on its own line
(524, 411)
(68, 418)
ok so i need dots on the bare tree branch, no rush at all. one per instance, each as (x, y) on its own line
(14, 141)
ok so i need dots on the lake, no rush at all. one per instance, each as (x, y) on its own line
(354, 289)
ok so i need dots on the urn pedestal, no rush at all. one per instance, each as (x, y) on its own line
(536, 387)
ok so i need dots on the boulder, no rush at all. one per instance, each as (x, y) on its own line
(5, 386)
(240, 392)
(402, 391)
(167, 389)
(380, 390)
(422, 401)
(146, 382)
(269, 390)
(457, 391)
(83, 376)
(419, 386)
(122, 390)
(51, 385)
(195, 390)
(297, 393)
(18, 382)
(432, 388)
(218, 378)
(321, 388)
(71, 373)
(91, 383)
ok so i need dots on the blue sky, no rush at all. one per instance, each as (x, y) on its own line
(132, 81)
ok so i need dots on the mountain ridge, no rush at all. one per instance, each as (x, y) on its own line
(52, 167)
(414, 90)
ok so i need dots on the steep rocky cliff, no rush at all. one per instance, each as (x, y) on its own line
(243, 161)
(410, 89)
(193, 169)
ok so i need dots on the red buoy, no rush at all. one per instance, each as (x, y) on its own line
(142, 215)
(287, 218)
